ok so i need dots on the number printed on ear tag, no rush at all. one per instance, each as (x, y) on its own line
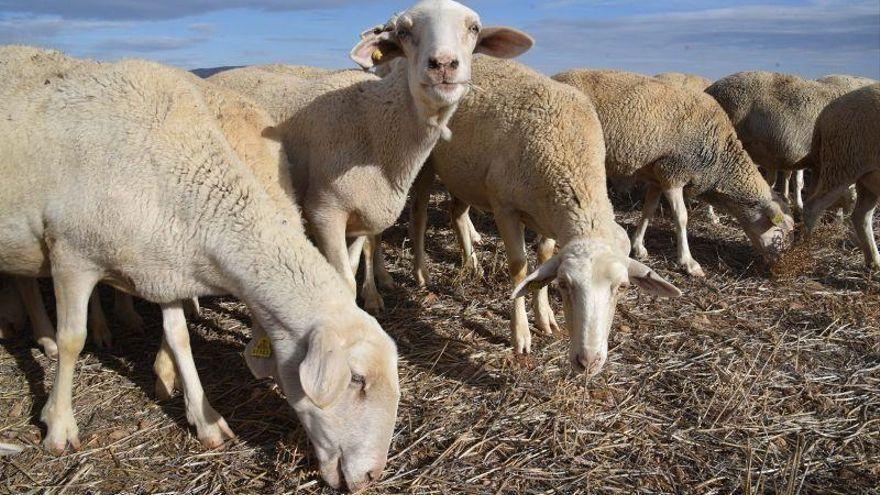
(262, 349)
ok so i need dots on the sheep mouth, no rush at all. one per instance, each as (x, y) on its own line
(445, 87)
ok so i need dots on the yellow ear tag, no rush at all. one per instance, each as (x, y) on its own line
(377, 56)
(778, 219)
(262, 349)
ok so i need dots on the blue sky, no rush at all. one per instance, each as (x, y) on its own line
(713, 38)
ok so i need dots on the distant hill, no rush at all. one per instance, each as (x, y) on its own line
(208, 72)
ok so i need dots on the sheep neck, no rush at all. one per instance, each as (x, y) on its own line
(740, 184)
(410, 127)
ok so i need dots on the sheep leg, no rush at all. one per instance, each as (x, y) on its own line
(44, 331)
(546, 321)
(330, 238)
(123, 309)
(799, 190)
(461, 220)
(476, 238)
(418, 223)
(512, 235)
(166, 372)
(786, 184)
(382, 276)
(355, 249)
(72, 293)
(97, 323)
(210, 426)
(820, 201)
(649, 208)
(12, 317)
(373, 302)
(712, 216)
(675, 196)
(863, 222)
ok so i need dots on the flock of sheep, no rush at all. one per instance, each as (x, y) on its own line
(269, 184)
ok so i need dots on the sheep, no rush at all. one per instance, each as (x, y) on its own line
(682, 144)
(356, 142)
(845, 151)
(691, 82)
(774, 115)
(121, 173)
(530, 150)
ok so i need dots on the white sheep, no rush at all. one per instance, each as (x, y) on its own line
(846, 151)
(356, 142)
(530, 150)
(121, 173)
(682, 144)
(774, 115)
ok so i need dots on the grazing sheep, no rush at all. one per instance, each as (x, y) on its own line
(682, 144)
(774, 115)
(121, 173)
(356, 142)
(530, 150)
(691, 82)
(846, 151)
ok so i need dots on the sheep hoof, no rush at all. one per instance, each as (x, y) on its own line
(386, 282)
(373, 303)
(50, 348)
(693, 268)
(421, 276)
(639, 252)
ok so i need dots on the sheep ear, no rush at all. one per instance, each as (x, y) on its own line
(503, 42)
(272, 133)
(649, 281)
(539, 278)
(324, 373)
(375, 49)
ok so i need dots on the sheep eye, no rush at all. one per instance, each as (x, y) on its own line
(358, 380)
(475, 28)
(402, 33)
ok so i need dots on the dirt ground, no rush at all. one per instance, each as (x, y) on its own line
(746, 384)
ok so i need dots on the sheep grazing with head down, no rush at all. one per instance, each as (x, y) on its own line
(682, 144)
(530, 150)
(356, 142)
(690, 82)
(122, 173)
(774, 115)
(846, 151)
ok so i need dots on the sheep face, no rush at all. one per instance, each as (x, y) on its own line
(345, 392)
(769, 229)
(589, 275)
(438, 39)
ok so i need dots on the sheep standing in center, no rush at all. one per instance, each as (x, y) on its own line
(530, 150)
(356, 141)
(681, 143)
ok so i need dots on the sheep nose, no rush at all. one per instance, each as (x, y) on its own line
(443, 62)
(588, 362)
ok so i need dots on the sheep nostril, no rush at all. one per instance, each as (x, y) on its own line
(454, 64)
(433, 63)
